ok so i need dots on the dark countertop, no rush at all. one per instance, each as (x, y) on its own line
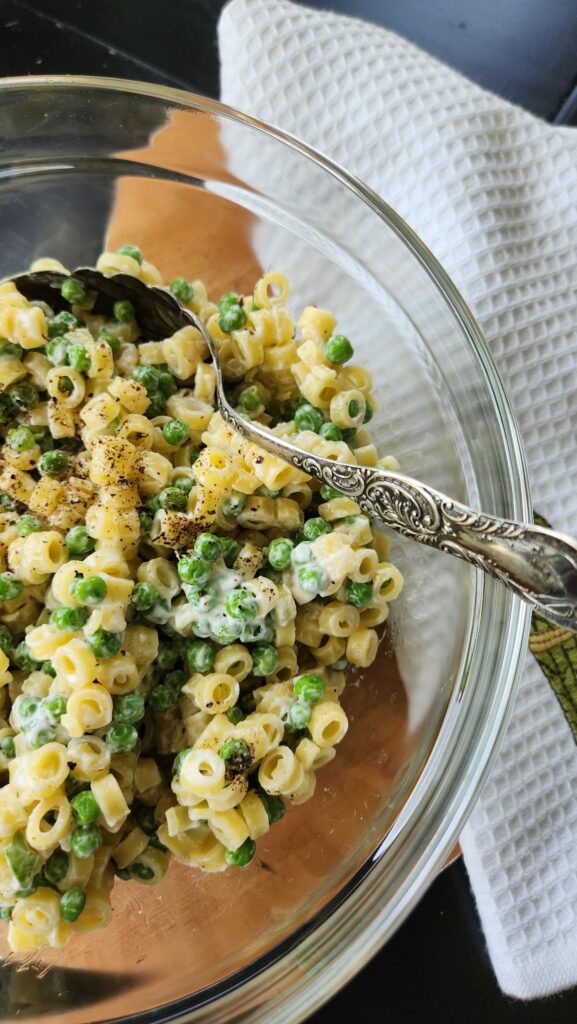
(435, 970)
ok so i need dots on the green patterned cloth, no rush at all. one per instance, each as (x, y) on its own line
(555, 649)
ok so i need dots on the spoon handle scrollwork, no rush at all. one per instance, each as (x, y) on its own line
(536, 563)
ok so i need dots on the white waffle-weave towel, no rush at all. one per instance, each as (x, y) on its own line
(492, 191)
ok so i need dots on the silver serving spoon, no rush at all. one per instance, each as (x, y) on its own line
(537, 564)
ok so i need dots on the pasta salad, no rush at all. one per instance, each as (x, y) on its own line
(178, 608)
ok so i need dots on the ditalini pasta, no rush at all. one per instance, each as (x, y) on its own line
(178, 607)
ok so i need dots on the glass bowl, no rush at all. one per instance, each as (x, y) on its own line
(211, 193)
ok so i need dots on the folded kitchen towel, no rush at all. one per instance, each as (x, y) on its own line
(492, 191)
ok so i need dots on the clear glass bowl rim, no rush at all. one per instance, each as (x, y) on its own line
(277, 990)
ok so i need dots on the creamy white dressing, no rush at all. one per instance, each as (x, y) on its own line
(34, 726)
(210, 617)
(330, 554)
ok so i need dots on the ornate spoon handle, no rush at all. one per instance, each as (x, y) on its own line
(537, 564)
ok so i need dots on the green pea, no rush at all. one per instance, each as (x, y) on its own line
(236, 754)
(55, 704)
(194, 570)
(349, 433)
(230, 551)
(173, 498)
(6, 639)
(128, 707)
(69, 618)
(177, 763)
(338, 349)
(242, 856)
(234, 504)
(65, 385)
(78, 358)
(232, 318)
(147, 376)
(316, 527)
(142, 872)
(104, 644)
(53, 464)
(7, 747)
(312, 578)
(167, 384)
(56, 867)
(193, 455)
(131, 250)
(41, 736)
(358, 594)
(23, 658)
(144, 596)
(329, 493)
(203, 598)
(302, 554)
(307, 417)
(6, 914)
(26, 525)
(73, 291)
(298, 715)
(208, 546)
(8, 410)
(256, 631)
(74, 786)
(167, 657)
(241, 604)
(8, 502)
(200, 655)
(89, 590)
(78, 542)
(264, 659)
(146, 522)
(310, 688)
(226, 300)
(331, 432)
(48, 669)
(85, 807)
(163, 697)
(23, 861)
(181, 289)
(249, 398)
(21, 439)
(9, 351)
(279, 553)
(85, 840)
(72, 903)
(123, 311)
(24, 396)
(184, 483)
(234, 715)
(176, 432)
(274, 807)
(111, 340)
(368, 413)
(28, 707)
(60, 324)
(57, 351)
(227, 632)
(121, 737)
